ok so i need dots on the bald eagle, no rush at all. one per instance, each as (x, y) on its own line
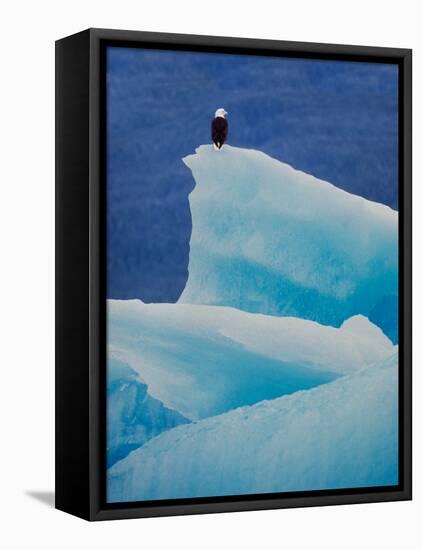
(219, 128)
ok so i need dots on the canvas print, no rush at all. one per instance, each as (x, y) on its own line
(252, 274)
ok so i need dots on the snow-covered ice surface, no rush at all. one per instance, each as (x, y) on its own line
(270, 239)
(206, 360)
(339, 435)
(133, 416)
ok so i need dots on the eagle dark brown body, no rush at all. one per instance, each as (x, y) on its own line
(219, 131)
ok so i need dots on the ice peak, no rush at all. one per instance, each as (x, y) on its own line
(271, 239)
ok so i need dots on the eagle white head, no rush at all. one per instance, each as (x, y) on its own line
(221, 112)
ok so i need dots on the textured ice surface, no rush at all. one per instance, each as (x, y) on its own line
(133, 416)
(206, 360)
(341, 434)
(267, 238)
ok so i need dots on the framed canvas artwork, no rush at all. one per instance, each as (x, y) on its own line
(233, 274)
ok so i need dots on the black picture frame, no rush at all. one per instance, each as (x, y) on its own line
(80, 273)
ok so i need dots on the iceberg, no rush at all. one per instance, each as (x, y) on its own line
(343, 434)
(206, 360)
(276, 371)
(270, 239)
(133, 416)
